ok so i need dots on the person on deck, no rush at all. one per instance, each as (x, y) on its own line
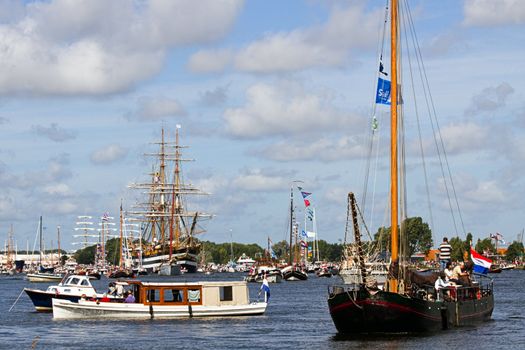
(445, 250)
(457, 272)
(130, 298)
(112, 290)
(120, 289)
(448, 271)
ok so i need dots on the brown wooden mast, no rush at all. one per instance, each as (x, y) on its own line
(121, 260)
(393, 143)
(175, 205)
(58, 239)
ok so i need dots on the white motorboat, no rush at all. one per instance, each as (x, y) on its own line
(168, 300)
(71, 289)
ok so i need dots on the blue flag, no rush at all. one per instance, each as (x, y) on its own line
(383, 91)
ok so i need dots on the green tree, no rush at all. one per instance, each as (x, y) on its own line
(281, 249)
(418, 233)
(467, 244)
(63, 259)
(86, 255)
(329, 251)
(514, 251)
(458, 247)
(485, 245)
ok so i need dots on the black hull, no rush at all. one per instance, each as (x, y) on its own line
(43, 300)
(121, 274)
(189, 266)
(295, 275)
(360, 312)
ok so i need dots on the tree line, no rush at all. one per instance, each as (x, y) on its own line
(418, 240)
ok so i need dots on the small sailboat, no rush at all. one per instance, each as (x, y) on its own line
(410, 302)
(124, 268)
(295, 271)
(43, 274)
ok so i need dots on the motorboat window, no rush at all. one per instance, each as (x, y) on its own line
(226, 293)
(154, 295)
(194, 295)
(173, 295)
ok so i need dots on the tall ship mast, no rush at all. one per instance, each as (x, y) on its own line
(86, 231)
(168, 227)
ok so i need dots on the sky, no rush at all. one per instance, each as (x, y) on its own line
(266, 93)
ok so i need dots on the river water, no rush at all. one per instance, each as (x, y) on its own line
(297, 317)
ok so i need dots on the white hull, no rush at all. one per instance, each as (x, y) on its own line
(353, 276)
(64, 309)
(38, 277)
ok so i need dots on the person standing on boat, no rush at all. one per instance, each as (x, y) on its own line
(119, 289)
(445, 249)
(265, 287)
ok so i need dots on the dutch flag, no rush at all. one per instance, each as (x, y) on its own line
(481, 263)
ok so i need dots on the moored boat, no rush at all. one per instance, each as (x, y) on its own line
(42, 277)
(168, 300)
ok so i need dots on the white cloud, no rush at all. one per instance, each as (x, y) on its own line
(490, 99)
(53, 132)
(156, 108)
(474, 195)
(60, 207)
(493, 13)
(324, 45)
(284, 109)
(324, 149)
(215, 97)
(60, 189)
(95, 47)
(208, 61)
(466, 136)
(109, 154)
(257, 180)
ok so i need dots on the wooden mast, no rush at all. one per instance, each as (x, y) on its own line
(121, 260)
(58, 239)
(290, 258)
(393, 143)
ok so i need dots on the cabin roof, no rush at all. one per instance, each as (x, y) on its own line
(186, 284)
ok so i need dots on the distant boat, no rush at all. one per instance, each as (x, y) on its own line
(323, 272)
(169, 228)
(168, 300)
(272, 274)
(294, 271)
(350, 272)
(43, 274)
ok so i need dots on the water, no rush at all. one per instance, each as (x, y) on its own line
(297, 318)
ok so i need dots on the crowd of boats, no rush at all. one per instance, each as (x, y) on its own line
(375, 295)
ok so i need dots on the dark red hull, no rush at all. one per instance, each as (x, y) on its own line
(359, 311)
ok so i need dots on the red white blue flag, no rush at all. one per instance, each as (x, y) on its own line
(481, 264)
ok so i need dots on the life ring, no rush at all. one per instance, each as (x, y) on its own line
(478, 295)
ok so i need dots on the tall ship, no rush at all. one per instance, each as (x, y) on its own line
(167, 243)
